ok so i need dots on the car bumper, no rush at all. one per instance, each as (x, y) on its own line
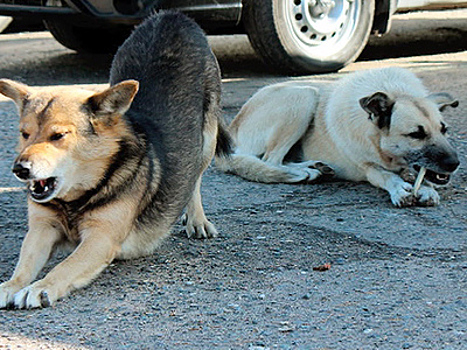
(122, 11)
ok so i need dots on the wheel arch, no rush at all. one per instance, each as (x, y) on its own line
(384, 9)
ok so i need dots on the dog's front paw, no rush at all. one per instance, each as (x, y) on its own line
(201, 228)
(7, 293)
(37, 295)
(427, 196)
(402, 195)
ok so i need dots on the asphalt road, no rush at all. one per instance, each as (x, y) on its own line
(398, 277)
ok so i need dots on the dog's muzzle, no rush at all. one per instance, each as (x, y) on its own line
(439, 171)
(40, 190)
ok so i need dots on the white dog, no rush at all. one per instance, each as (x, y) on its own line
(370, 126)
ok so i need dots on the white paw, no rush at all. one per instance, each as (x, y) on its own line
(310, 171)
(427, 196)
(312, 174)
(7, 292)
(402, 196)
(201, 228)
(36, 295)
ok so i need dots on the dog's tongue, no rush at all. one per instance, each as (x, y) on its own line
(40, 187)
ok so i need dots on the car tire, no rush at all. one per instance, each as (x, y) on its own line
(88, 39)
(304, 36)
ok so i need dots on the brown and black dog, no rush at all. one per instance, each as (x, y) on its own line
(108, 173)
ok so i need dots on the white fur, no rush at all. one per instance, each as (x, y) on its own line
(335, 129)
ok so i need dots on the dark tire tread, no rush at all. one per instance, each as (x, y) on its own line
(262, 32)
(88, 39)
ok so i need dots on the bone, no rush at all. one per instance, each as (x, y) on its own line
(418, 181)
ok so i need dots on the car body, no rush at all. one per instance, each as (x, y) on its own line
(294, 36)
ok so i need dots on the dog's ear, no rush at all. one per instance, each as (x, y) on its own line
(16, 91)
(379, 107)
(443, 100)
(115, 100)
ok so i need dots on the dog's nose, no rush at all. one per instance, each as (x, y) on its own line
(450, 162)
(21, 171)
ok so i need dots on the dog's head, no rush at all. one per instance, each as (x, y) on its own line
(67, 135)
(413, 133)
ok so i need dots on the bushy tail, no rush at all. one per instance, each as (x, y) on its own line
(224, 144)
(254, 169)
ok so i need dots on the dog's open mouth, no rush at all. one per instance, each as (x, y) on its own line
(42, 190)
(434, 177)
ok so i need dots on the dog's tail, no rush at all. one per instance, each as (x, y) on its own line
(253, 168)
(249, 166)
(224, 144)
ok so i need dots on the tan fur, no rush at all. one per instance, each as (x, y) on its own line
(81, 163)
(99, 235)
(332, 127)
(195, 220)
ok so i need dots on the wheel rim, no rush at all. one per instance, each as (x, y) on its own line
(319, 23)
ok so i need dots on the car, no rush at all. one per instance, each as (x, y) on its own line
(292, 36)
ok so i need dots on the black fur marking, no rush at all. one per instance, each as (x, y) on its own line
(125, 153)
(88, 109)
(91, 129)
(206, 102)
(25, 102)
(92, 105)
(379, 108)
(224, 145)
(42, 114)
(436, 159)
(72, 211)
(420, 134)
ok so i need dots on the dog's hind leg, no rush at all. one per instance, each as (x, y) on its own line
(216, 140)
(254, 169)
(270, 167)
(197, 225)
(318, 170)
(284, 137)
(266, 129)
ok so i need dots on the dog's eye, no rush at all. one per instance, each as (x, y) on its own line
(57, 136)
(420, 134)
(25, 135)
(444, 128)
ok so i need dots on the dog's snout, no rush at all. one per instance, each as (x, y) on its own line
(21, 171)
(450, 162)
